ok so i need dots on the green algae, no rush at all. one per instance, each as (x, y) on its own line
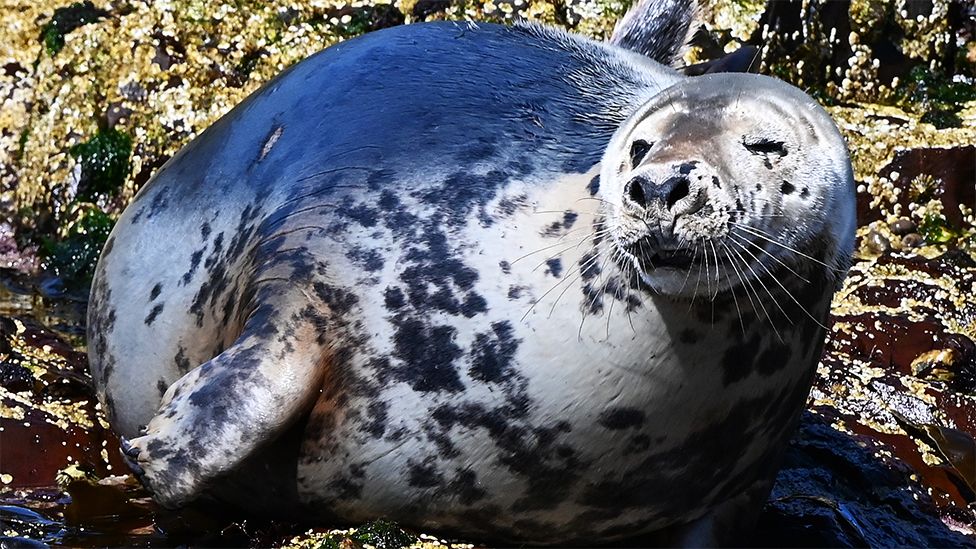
(73, 258)
(66, 20)
(936, 97)
(104, 163)
(383, 534)
(935, 229)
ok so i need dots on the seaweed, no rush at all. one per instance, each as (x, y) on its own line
(72, 259)
(66, 20)
(104, 163)
(383, 534)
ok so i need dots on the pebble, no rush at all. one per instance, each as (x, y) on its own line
(912, 240)
(903, 226)
(878, 243)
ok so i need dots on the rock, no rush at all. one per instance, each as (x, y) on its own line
(912, 240)
(903, 226)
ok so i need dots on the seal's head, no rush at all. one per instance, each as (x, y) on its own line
(726, 177)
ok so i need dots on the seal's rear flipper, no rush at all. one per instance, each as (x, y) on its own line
(658, 29)
(220, 413)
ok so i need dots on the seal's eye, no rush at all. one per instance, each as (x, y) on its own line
(638, 150)
(765, 147)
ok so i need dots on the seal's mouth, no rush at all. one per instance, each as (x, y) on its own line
(676, 259)
(651, 256)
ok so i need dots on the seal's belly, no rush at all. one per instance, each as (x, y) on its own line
(563, 394)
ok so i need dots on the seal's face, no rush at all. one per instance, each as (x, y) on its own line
(724, 178)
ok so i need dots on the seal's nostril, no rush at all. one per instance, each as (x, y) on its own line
(636, 193)
(679, 191)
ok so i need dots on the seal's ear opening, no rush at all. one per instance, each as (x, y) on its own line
(659, 29)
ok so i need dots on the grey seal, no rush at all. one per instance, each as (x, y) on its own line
(502, 282)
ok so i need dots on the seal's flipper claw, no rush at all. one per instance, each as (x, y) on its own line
(129, 455)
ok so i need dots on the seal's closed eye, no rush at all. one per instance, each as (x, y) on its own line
(765, 146)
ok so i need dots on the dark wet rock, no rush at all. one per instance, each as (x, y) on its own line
(839, 490)
(15, 378)
(912, 240)
(50, 421)
(878, 243)
(926, 173)
(903, 226)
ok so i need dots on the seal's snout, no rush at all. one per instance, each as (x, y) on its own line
(641, 191)
(674, 191)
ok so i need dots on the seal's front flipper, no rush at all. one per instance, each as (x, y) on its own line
(218, 414)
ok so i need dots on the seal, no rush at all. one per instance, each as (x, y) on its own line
(502, 282)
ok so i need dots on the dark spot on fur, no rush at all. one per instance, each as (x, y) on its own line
(205, 231)
(805, 192)
(424, 475)
(716, 182)
(506, 266)
(340, 301)
(427, 354)
(195, 258)
(182, 363)
(555, 267)
(617, 418)
(393, 298)
(154, 293)
(569, 219)
(510, 204)
(377, 413)
(593, 186)
(466, 486)
(515, 292)
(388, 201)
(787, 188)
(369, 259)
(773, 358)
(686, 167)
(738, 360)
(109, 244)
(473, 304)
(492, 353)
(153, 314)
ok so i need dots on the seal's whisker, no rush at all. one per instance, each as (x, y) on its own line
(598, 199)
(694, 294)
(574, 244)
(715, 255)
(578, 272)
(735, 299)
(600, 285)
(563, 212)
(772, 323)
(708, 279)
(594, 235)
(738, 274)
(766, 237)
(788, 293)
(763, 284)
(544, 248)
(774, 258)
